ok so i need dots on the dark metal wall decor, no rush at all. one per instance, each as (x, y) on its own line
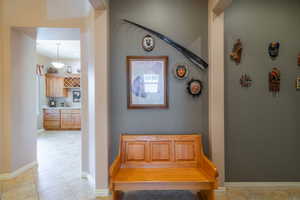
(181, 71)
(274, 49)
(194, 87)
(236, 54)
(148, 43)
(196, 60)
(245, 81)
(274, 80)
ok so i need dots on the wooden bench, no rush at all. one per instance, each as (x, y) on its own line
(162, 162)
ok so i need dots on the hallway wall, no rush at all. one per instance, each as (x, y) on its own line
(24, 104)
(262, 129)
(185, 21)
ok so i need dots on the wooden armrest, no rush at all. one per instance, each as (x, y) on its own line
(209, 168)
(115, 167)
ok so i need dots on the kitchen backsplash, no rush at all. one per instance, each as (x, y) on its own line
(67, 101)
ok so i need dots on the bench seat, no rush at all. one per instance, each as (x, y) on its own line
(129, 175)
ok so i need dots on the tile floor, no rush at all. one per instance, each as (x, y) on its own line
(58, 177)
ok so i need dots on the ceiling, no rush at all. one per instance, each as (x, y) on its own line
(68, 49)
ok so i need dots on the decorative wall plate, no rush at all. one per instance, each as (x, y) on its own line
(236, 54)
(245, 81)
(274, 49)
(148, 43)
(181, 71)
(194, 87)
(274, 80)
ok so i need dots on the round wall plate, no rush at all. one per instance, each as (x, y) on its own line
(195, 87)
(148, 43)
(181, 71)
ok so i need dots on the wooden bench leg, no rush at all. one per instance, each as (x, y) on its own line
(117, 195)
(206, 195)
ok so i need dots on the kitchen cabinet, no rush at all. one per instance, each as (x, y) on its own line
(51, 119)
(70, 119)
(62, 119)
(55, 86)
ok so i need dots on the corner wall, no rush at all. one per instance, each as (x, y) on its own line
(262, 129)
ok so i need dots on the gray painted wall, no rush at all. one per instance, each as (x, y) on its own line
(262, 130)
(185, 21)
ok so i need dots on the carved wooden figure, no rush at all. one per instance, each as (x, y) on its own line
(236, 54)
(274, 80)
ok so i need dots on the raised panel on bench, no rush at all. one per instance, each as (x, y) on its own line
(185, 151)
(161, 151)
(136, 151)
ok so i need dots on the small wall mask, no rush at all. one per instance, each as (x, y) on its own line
(236, 54)
(274, 49)
(274, 80)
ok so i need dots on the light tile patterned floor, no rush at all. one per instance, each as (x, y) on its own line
(58, 178)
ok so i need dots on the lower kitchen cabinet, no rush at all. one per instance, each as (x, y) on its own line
(62, 119)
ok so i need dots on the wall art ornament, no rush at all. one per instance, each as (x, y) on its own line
(194, 87)
(299, 60)
(274, 80)
(181, 71)
(148, 43)
(274, 49)
(196, 60)
(236, 54)
(245, 81)
(298, 83)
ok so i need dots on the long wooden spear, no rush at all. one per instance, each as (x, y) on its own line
(196, 60)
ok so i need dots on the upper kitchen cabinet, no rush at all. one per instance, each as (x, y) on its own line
(55, 86)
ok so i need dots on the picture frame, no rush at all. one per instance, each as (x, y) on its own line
(147, 82)
(76, 96)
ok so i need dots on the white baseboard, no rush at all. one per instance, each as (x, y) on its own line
(262, 184)
(40, 131)
(91, 180)
(89, 177)
(18, 172)
(102, 192)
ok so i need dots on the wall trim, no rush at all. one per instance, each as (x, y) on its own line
(7, 176)
(262, 184)
(102, 192)
(216, 118)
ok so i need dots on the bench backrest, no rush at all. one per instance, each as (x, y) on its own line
(160, 151)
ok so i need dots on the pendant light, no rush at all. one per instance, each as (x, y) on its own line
(58, 64)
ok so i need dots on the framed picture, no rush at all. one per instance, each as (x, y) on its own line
(147, 79)
(76, 96)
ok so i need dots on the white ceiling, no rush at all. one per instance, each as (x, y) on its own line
(68, 49)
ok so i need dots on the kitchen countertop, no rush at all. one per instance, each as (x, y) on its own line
(61, 108)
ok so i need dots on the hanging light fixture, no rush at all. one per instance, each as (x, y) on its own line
(58, 64)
